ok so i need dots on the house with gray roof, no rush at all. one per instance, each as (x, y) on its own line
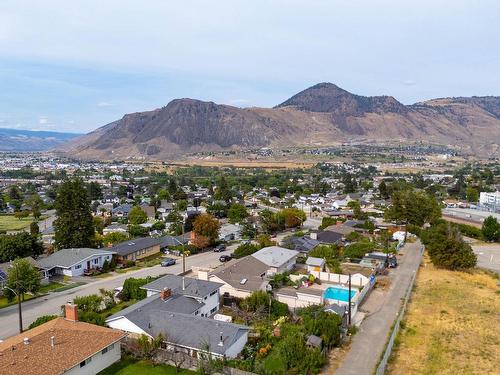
(74, 262)
(278, 259)
(136, 248)
(192, 335)
(203, 291)
(241, 277)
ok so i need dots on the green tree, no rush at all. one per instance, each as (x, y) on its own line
(411, 207)
(74, 225)
(245, 249)
(446, 247)
(137, 216)
(472, 194)
(223, 192)
(22, 278)
(90, 303)
(94, 191)
(237, 213)
(491, 229)
(19, 245)
(132, 289)
(114, 238)
(34, 229)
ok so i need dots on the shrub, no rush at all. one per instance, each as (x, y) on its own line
(245, 249)
(132, 289)
(358, 250)
(41, 320)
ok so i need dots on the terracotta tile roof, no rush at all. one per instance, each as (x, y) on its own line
(74, 342)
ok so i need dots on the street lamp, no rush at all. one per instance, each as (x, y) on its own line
(19, 307)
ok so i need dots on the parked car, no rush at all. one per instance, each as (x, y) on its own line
(167, 262)
(225, 258)
(220, 248)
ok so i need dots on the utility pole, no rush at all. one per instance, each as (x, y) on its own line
(349, 299)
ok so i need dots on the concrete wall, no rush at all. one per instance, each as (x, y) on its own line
(98, 362)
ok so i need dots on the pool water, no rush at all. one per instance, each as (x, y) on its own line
(339, 294)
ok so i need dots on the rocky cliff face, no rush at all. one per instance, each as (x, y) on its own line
(322, 114)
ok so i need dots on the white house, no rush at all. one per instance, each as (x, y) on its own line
(277, 258)
(74, 262)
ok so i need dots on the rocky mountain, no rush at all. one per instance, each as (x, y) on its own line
(17, 140)
(321, 115)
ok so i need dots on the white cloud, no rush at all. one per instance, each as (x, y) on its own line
(43, 120)
(104, 104)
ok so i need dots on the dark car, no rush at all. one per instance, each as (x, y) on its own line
(220, 248)
(225, 258)
(167, 262)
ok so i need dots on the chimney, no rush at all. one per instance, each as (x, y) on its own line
(221, 342)
(165, 294)
(52, 341)
(183, 283)
(71, 312)
(203, 274)
(313, 235)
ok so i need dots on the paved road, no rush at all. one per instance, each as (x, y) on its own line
(369, 342)
(488, 256)
(51, 304)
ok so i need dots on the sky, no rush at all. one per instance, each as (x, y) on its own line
(76, 65)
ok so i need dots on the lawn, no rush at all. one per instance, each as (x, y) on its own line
(10, 223)
(130, 366)
(451, 325)
(5, 303)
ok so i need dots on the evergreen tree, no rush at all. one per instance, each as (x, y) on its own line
(491, 229)
(74, 226)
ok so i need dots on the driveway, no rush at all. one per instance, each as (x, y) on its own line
(369, 342)
(51, 304)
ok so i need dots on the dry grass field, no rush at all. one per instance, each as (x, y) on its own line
(452, 325)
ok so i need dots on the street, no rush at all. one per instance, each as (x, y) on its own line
(488, 256)
(52, 303)
(369, 342)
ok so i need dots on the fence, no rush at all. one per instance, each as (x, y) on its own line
(387, 353)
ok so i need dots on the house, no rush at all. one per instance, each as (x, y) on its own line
(327, 237)
(122, 210)
(61, 346)
(229, 232)
(239, 278)
(115, 228)
(204, 292)
(278, 259)
(315, 264)
(172, 241)
(302, 244)
(150, 211)
(74, 262)
(192, 335)
(136, 249)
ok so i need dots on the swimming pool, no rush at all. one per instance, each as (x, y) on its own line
(339, 294)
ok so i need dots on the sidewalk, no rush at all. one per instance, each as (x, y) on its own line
(369, 342)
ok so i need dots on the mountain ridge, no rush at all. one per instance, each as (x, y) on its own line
(323, 114)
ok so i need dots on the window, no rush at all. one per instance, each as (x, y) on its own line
(214, 292)
(96, 261)
(104, 351)
(86, 362)
(213, 310)
(78, 266)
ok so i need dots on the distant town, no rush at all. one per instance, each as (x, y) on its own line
(236, 270)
